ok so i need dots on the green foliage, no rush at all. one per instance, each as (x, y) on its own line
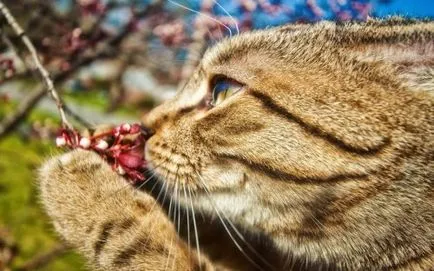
(6, 107)
(20, 156)
(95, 98)
(98, 99)
(20, 211)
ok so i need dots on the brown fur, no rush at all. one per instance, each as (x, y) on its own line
(324, 161)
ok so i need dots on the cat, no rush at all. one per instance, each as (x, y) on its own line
(301, 147)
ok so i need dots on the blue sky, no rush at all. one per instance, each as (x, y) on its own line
(300, 11)
(410, 8)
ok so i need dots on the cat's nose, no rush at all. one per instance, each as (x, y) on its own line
(147, 132)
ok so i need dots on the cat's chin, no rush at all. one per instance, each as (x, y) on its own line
(210, 175)
(221, 189)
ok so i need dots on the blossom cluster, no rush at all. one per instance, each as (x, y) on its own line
(122, 147)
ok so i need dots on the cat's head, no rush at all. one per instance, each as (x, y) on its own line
(294, 122)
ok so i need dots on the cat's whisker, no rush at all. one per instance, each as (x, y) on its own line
(173, 204)
(146, 181)
(159, 193)
(203, 14)
(152, 188)
(188, 218)
(170, 218)
(154, 173)
(170, 205)
(155, 184)
(166, 187)
(196, 235)
(230, 16)
(166, 265)
(147, 170)
(178, 195)
(175, 213)
(175, 207)
(221, 215)
(233, 238)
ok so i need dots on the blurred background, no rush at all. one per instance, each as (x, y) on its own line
(112, 61)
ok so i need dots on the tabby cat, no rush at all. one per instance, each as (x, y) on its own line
(302, 147)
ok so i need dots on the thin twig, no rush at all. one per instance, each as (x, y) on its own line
(14, 50)
(44, 73)
(103, 51)
(10, 121)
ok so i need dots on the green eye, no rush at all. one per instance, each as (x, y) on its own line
(223, 89)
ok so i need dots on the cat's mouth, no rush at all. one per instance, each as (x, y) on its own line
(166, 189)
(174, 171)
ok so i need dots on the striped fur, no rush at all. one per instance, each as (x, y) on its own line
(325, 161)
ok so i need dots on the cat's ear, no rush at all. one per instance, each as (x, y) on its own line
(406, 45)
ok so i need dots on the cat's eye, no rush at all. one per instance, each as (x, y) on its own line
(223, 88)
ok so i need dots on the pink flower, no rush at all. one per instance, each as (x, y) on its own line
(101, 145)
(125, 155)
(60, 141)
(85, 142)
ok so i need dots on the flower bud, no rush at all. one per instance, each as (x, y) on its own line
(116, 131)
(60, 141)
(85, 142)
(102, 145)
(135, 128)
(125, 128)
(120, 170)
(130, 160)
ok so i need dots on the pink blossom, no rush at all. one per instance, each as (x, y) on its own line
(125, 156)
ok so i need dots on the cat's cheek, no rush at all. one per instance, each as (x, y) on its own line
(218, 176)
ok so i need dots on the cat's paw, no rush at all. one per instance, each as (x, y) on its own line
(78, 184)
(99, 213)
(77, 167)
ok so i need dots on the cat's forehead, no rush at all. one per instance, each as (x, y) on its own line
(304, 41)
(237, 47)
(273, 40)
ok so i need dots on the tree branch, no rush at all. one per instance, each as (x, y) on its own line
(43, 72)
(14, 50)
(8, 123)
